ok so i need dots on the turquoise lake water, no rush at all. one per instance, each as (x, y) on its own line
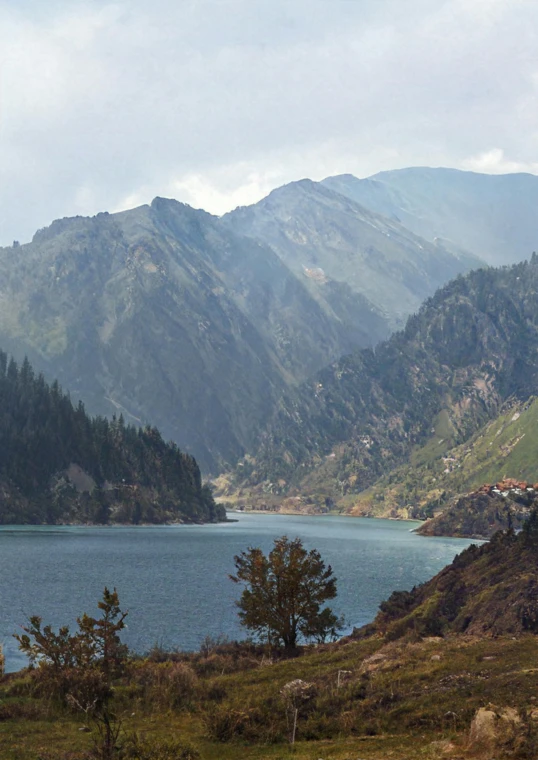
(174, 579)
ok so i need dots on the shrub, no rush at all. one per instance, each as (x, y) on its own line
(76, 688)
(20, 711)
(182, 684)
(167, 685)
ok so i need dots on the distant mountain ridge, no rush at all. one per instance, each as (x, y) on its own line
(493, 216)
(315, 230)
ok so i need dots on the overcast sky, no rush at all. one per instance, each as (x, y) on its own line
(104, 105)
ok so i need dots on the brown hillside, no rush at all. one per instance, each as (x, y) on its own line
(488, 590)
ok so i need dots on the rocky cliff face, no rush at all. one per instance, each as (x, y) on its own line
(483, 512)
(333, 241)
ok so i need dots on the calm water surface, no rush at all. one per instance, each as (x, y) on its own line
(174, 579)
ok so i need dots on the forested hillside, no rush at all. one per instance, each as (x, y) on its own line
(469, 349)
(59, 465)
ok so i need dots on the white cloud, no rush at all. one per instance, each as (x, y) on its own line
(104, 104)
(495, 162)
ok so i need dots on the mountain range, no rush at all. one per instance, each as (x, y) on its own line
(164, 315)
(199, 325)
(228, 333)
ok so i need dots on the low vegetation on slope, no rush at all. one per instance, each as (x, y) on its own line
(435, 473)
(59, 465)
(487, 590)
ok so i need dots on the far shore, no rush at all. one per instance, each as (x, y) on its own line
(319, 514)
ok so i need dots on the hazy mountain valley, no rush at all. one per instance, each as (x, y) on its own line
(469, 350)
(261, 343)
(201, 325)
(221, 331)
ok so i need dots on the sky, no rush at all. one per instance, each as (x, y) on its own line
(104, 105)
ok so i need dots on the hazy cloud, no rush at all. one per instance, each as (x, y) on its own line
(104, 105)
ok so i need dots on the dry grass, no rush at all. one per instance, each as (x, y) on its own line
(397, 700)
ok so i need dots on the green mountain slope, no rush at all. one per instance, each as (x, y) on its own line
(58, 465)
(471, 347)
(164, 314)
(507, 446)
(494, 216)
(323, 236)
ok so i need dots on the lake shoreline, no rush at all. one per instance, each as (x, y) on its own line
(174, 579)
(324, 514)
(183, 523)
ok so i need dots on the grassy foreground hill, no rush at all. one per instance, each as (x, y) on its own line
(59, 465)
(403, 700)
(406, 687)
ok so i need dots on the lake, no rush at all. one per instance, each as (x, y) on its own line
(174, 579)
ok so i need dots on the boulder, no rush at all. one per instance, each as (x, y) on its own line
(443, 746)
(493, 727)
(483, 731)
(374, 662)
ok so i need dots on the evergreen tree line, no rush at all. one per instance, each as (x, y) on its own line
(138, 476)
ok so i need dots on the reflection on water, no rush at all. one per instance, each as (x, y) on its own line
(174, 579)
